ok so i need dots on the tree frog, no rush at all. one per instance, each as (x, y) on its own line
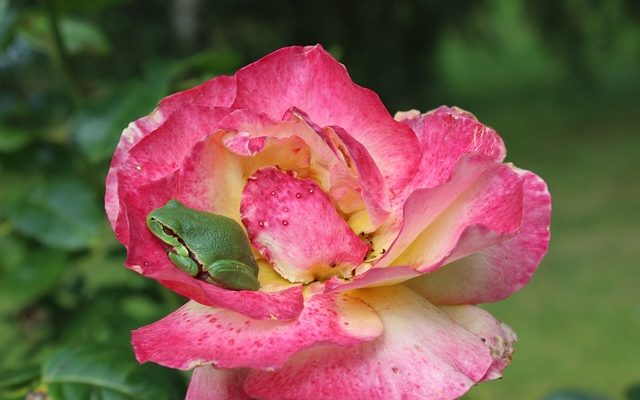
(210, 247)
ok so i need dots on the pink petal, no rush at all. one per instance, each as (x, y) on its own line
(196, 334)
(374, 191)
(487, 212)
(495, 335)
(208, 383)
(354, 157)
(496, 272)
(445, 135)
(160, 154)
(310, 79)
(217, 92)
(480, 206)
(422, 354)
(424, 206)
(146, 255)
(373, 277)
(294, 225)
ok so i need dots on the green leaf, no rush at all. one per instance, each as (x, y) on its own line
(81, 36)
(16, 382)
(12, 139)
(17, 377)
(34, 277)
(61, 213)
(13, 253)
(92, 372)
(96, 129)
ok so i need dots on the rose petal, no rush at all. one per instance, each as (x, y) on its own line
(491, 206)
(293, 224)
(196, 334)
(146, 255)
(217, 92)
(446, 134)
(374, 191)
(310, 79)
(373, 277)
(497, 271)
(354, 158)
(421, 354)
(495, 335)
(424, 206)
(211, 178)
(208, 383)
(213, 175)
(161, 153)
(479, 207)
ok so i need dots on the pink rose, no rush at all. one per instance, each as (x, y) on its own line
(375, 236)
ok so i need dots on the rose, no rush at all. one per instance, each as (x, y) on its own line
(375, 236)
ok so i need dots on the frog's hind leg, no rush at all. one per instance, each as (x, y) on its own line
(232, 274)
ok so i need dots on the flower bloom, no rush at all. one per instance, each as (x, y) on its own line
(375, 236)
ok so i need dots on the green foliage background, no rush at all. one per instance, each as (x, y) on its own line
(559, 80)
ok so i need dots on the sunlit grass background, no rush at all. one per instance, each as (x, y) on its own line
(559, 80)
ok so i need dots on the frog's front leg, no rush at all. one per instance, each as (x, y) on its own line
(185, 263)
(232, 274)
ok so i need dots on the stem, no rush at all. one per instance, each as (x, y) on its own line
(61, 54)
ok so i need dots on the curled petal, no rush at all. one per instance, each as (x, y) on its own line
(150, 159)
(196, 335)
(422, 354)
(373, 277)
(146, 255)
(310, 79)
(480, 206)
(446, 134)
(493, 205)
(495, 272)
(217, 92)
(209, 383)
(354, 160)
(495, 335)
(424, 206)
(294, 225)
(215, 172)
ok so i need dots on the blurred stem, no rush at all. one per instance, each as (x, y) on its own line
(61, 55)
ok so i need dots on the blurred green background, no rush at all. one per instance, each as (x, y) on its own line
(559, 80)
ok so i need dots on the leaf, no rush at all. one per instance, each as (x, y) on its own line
(19, 376)
(61, 213)
(96, 129)
(16, 382)
(33, 278)
(13, 253)
(92, 372)
(81, 36)
(12, 139)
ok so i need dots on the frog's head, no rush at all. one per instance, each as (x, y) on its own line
(164, 222)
